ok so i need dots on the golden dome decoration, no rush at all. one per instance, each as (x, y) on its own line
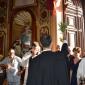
(23, 18)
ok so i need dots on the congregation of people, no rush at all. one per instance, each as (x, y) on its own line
(39, 65)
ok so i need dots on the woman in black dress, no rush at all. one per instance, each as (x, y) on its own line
(74, 63)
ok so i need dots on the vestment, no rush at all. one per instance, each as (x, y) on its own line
(25, 64)
(12, 73)
(47, 69)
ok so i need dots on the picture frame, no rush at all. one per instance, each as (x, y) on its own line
(44, 30)
(20, 3)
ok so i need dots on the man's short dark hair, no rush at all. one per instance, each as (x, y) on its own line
(33, 45)
(45, 40)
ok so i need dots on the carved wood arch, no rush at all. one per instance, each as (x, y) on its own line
(2, 44)
(13, 14)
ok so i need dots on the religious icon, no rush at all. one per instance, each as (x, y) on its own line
(44, 31)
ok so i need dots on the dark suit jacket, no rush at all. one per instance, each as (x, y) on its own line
(48, 68)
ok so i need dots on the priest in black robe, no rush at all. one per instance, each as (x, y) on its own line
(47, 68)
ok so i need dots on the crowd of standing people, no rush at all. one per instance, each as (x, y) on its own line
(42, 66)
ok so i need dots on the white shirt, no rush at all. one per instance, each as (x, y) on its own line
(12, 72)
(81, 70)
(25, 64)
(25, 59)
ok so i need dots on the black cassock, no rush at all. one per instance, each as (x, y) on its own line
(48, 68)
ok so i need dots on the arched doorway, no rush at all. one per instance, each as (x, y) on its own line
(22, 19)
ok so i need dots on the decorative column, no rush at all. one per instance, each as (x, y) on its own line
(51, 6)
(53, 31)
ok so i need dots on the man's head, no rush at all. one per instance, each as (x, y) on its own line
(35, 48)
(46, 40)
(11, 53)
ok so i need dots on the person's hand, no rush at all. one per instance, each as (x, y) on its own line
(8, 66)
(19, 73)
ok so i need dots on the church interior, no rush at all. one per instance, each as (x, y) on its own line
(24, 21)
(16, 15)
(35, 15)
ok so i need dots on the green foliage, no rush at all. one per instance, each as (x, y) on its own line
(62, 27)
(61, 39)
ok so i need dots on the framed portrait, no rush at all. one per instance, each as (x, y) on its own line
(19, 3)
(44, 30)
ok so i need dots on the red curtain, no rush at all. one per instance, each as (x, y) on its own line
(50, 6)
